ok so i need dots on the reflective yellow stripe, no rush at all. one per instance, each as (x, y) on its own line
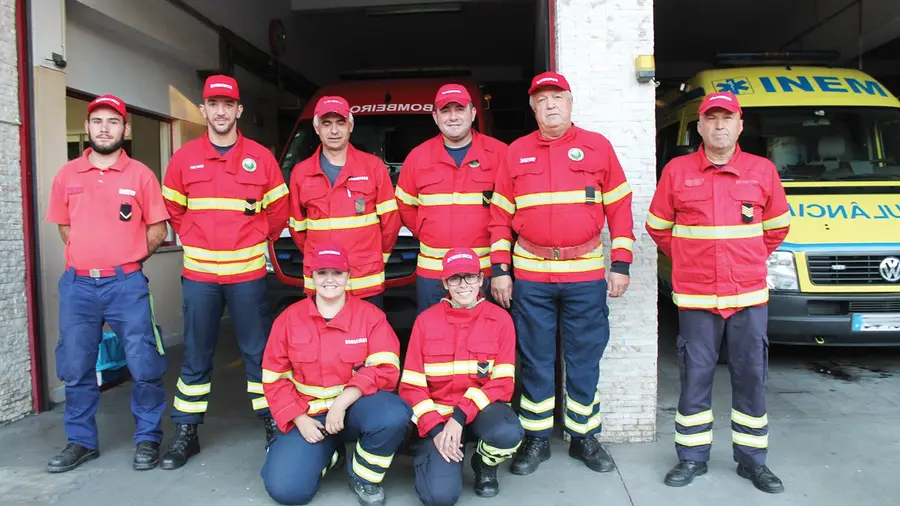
(260, 403)
(272, 376)
(503, 371)
(658, 223)
(579, 408)
(753, 422)
(433, 264)
(274, 194)
(750, 440)
(440, 252)
(406, 198)
(551, 198)
(455, 368)
(383, 357)
(442, 409)
(777, 222)
(189, 407)
(254, 388)
(423, 407)
(725, 302)
(366, 473)
(583, 428)
(478, 397)
(725, 232)
(206, 255)
(526, 261)
(703, 438)
(485, 448)
(364, 220)
(616, 194)
(451, 199)
(193, 390)
(385, 257)
(221, 204)
(352, 283)
(623, 242)
(386, 207)
(174, 196)
(536, 425)
(375, 460)
(503, 203)
(318, 406)
(537, 407)
(297, 225)
(225, 269)
(319, 392)
(414, 378)
(694, 420)
(501, 245)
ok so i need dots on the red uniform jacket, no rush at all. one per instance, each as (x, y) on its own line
(559, 193)
(446, 206)
(359, 213)
(308, 362)
(458, 359)
(719, 226)
(224, 208)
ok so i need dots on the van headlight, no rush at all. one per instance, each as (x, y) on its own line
(782, 273)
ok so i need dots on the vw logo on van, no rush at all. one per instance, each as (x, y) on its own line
(890, 269)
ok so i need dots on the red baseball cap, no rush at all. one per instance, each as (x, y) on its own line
(110, 101)
(329, 256)
(723, 100)
(452, 93)
(548, 79)
(336, 105)
(461, 261)
(221, 86)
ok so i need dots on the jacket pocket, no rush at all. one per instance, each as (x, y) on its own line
(354, 354)
(482, 353)
(752, 272)
(749, 203)
(695, 275)
(438, 357)
(194, 176)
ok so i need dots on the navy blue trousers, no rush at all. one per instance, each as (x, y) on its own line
(699, 339)
(123, 302)
(294, 468)
(580, 309)
(252, 318)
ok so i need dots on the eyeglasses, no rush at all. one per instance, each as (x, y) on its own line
(456, 279)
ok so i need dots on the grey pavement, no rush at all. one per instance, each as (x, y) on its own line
(834, 440)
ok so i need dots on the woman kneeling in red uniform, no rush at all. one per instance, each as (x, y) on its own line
(329, 368)
(458, 376)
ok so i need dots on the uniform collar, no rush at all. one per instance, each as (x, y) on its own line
(477, 151)
(341, 320)
(84, 163)
(459, 314)
(235, 152)
(352, 167)
(568, 136)
(732, 166)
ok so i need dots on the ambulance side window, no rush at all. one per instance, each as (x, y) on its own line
(666, 140)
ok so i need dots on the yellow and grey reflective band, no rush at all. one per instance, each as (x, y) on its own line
(502, 202)
(274, 194)
(658, 223)
(174, 196)
(551, 198)
(777, 222)
(406, 198)
(625, 243)
(616, 194)
(699, 439)
(189, 406)
(451, 199)
(583, 428)
(159, 340)
(197, 390)
(694, 420)
(753, 422)
(750, 440)
(537, 408)
(724, 302)
(715, 233)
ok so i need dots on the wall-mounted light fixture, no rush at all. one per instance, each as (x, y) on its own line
(645, 68)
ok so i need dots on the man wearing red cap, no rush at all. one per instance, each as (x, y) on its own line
(458, 376)
(557, 189)
(329, 370)
(445, 189)
(227, 198)
(718, 214)
(343, 195)
(111, 217)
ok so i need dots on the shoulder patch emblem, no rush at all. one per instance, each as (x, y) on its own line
(576, 154)
(249, 164)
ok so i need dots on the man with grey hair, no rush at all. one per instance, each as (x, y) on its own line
(343, 195)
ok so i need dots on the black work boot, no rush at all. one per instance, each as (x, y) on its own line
(185, 446)
(533, 451)
(589, 451)
(486, 484)
(272, 430)
(72, 456)
(146, 456)
(685, 472)
(762, 478)
(368, 494)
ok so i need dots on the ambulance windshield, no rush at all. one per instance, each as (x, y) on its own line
(823, 143)
(390, 137)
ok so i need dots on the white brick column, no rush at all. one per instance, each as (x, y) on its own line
(596, 46)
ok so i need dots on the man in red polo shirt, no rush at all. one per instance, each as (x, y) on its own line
(111, 218)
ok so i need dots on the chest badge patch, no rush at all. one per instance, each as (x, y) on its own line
(474, 164)
(576, 154)
(249, 164)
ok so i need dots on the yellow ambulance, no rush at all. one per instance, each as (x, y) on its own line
(834, 135)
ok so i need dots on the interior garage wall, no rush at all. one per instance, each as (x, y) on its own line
(597, 43)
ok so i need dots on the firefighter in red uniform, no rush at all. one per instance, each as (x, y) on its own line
(343, 195)
(111, 217)
(718, 214)
(555, 191)
(445, 189)
(329, 370)
(458, 376)
(227, 197)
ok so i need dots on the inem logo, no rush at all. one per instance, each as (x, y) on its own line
(737, 85)
(826, 84)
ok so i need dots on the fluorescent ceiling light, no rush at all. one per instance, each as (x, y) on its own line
(390, 10)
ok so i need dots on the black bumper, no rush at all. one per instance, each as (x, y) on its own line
(827, 319)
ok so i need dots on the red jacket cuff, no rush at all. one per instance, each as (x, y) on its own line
(365, 384)
(285, 417)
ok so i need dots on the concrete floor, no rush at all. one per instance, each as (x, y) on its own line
(834, 417)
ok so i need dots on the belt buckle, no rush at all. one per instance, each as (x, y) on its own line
(556, 253)
(95, 273)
